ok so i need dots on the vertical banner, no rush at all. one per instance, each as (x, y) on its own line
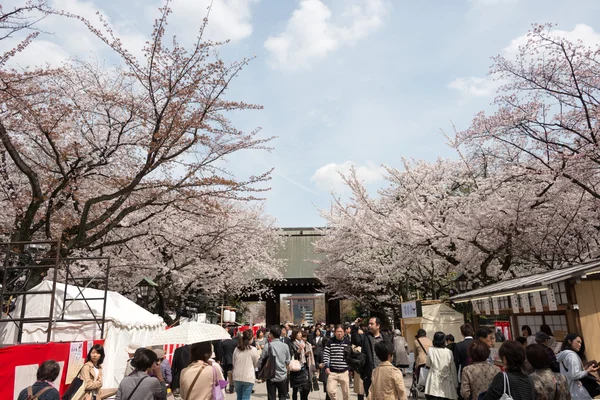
(475, 307)
(486, 306)
(514, 300)
(551, 299)
(495, 306)
(75, 361)
(537, 302)
(525, 302)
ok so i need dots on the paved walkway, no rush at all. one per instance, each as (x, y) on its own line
(261, 391)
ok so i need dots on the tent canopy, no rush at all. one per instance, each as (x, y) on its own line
(125, 323)
(436, 318)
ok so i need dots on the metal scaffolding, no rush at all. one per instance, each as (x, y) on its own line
(21, 259)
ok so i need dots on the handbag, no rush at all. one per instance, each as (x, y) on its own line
(315, 383)
(268, 368)
(76, 388)
(506, 395)
(295, 366)
(423, 371)
(218, 386)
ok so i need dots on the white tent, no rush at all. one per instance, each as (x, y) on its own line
(436, 318)
(125, 323)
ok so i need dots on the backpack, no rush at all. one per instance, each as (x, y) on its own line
(31, 396)
(356, 361)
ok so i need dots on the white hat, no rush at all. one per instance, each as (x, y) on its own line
(132, 348)
(397, 332)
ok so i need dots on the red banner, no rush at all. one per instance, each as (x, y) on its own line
(33, 355)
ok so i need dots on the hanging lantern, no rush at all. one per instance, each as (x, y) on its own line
(226, 316)
(232, 316)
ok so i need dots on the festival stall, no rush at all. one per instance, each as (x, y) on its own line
(125, 323)
(433, 318)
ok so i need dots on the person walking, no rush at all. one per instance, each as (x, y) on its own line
(277, 387)
(573, 365)
(181, 360)
(477, 377)
(401, 360)
(547, 384)
(91, 372)
(300, 379)
(388, 381)
(245, 361)
(367, 342)
(422, 345)
(139, 385)
(229, 346)
(318, 345)
(336, 367)
(43, 388)
(197, 380)
(461, 355)
(513, 381)
(442, 379)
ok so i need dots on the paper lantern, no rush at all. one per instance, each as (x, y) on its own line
(226, 316)
(232, 316)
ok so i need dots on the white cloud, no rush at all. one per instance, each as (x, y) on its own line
(311, 34)
(485, 87)
(473, 86)
(328, 176)
(228, 19)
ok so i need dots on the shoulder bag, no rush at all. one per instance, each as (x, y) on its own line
(424, 370)
(76, 388)
(189, 391)
(589, 383)
(218, 386)
(135, 388)
(31, 396)
(506, 395)
(268, 368)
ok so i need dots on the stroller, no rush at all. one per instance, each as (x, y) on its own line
(415, 388)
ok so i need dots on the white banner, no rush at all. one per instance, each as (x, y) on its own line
(475, 307)
(495, 306)
(537, 302)
(525, 302)
(551, 300)
(514, 300)
(75, 361)
(486, 306)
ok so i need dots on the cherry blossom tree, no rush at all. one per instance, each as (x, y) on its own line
(87, 150)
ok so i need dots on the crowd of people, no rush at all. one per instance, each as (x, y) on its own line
(343, 357)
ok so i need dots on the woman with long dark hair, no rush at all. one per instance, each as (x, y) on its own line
(513, 381)
(91, 373)
(574, 366)
(245, 360)
(300, 380)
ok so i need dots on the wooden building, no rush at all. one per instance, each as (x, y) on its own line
(568, 300)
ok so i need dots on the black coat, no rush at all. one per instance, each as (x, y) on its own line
(181, 360)
(229, 346)
(365, 341)
(318, 349)
(461, 355)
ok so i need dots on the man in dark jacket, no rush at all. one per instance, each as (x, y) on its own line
(181, 360)
(44, 387)
(229, 346)
(367, 343)
(461, 355)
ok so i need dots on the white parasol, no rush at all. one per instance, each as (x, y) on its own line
(188, 333)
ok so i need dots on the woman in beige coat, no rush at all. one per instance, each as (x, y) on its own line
(442, 380)
(91, 373)
(387, 381)
(196, 382)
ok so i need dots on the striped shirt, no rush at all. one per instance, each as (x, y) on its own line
(333, 355)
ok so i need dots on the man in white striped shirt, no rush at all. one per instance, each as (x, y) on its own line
(335, 364)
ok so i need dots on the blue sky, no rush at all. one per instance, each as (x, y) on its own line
(362, 82)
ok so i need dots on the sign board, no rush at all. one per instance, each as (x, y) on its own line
(475, 307)
(551, 300)
(525, 302)
(537, 301)
(75, 360)
(486, 306)
(495, 306)
(412, 309)
(514, 301)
